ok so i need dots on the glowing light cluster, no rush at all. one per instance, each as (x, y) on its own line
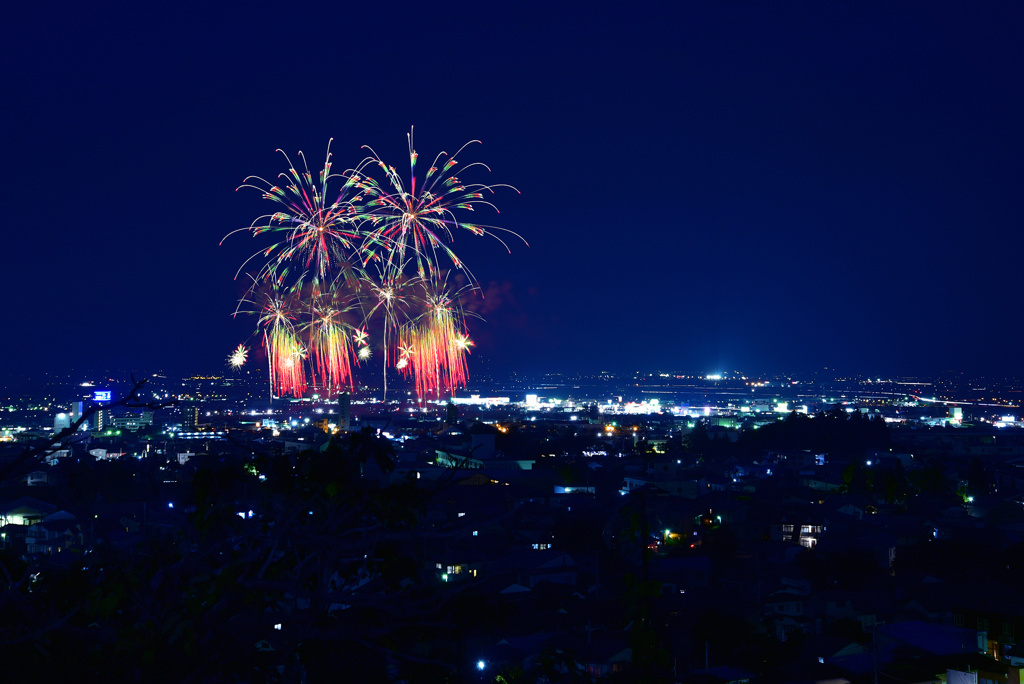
(357, 251)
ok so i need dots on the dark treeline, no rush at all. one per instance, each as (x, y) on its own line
(835, 432)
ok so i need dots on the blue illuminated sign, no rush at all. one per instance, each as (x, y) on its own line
(101, 395)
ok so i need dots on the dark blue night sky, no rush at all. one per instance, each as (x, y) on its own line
(705, 186)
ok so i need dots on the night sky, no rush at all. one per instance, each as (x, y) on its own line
(704, 186)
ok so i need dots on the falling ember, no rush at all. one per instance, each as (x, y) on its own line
(435, 351)
(329, 343)
(284, 349)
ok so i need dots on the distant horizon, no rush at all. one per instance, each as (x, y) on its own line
(367, 376)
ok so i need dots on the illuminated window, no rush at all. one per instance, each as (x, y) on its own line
(787, 528)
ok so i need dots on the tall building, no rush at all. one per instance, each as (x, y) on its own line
(344, 411)
(61, 422)
(189, 417)
(100, 418)
(77, 409)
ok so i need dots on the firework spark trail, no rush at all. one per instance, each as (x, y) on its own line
(286, 354)
(330, 345)
(319, 234)
(416, 225)
(434, 354)
(284, 350)
(433, 348)
(392, 303)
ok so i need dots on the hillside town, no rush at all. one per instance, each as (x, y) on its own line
(661, 529)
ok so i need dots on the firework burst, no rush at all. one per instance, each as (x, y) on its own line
(318, 225)
(417, 222)
(238, 357)
(360, 249)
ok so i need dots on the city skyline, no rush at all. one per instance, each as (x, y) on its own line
(703, 188)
